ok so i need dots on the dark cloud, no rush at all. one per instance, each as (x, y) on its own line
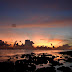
(55, 4)
(13, 25)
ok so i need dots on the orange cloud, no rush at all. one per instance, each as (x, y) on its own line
(38, 39)
(41, 22)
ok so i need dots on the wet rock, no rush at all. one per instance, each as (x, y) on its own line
(33, 54)
(16, 57)
(22, 56)
(64, 69)
(6, 67)
(54, 63)
(66, 56)
(48, 69)
(67, 53)
(41, 65)
(57, 56)
(53, 57)
(70, 66)
(21, 66)
(60, 57)
(69, 60)
(9, 59)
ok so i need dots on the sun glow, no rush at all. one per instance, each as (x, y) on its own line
(48, 43)
(39, 40)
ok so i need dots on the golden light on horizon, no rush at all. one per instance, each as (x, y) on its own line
(48, 43)
(39, 40)
(44, 43)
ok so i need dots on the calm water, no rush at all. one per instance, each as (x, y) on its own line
(6, 54)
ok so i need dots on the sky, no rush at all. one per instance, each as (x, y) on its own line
(42, 21)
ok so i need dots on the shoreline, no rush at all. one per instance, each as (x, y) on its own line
(31, 49)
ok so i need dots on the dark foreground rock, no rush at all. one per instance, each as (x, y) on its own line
(28, 63)
(67, 53)
(64, 69)
(7, 67)
(48, 69)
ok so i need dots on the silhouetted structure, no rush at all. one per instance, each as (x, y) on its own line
(15, 43)
(4, 44)
(28, 43)
(1, 43)
(53, 47)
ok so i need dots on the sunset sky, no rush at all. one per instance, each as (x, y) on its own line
(42, 21)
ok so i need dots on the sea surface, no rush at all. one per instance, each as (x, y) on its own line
(7, 54)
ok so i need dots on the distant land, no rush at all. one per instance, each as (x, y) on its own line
(29, 45)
